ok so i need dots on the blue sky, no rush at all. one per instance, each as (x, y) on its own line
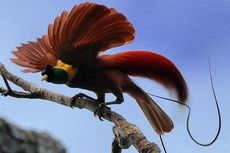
(186, 32)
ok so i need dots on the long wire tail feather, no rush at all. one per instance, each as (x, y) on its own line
(162, 143)
(189, 112)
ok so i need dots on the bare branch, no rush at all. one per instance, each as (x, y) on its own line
(126, 134)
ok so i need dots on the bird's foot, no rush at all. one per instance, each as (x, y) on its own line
(79, 96)
(102, 107)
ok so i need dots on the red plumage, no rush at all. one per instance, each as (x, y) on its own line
(151, 65)
(76, 38)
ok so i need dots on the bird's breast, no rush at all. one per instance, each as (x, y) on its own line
(91, 79)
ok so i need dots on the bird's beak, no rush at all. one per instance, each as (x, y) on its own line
(44, 77)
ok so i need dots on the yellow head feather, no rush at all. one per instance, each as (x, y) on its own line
(70, 69)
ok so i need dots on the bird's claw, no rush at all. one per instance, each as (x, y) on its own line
(80, 96)
(100, 110)
(74, 98)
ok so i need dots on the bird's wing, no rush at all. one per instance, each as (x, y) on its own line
(35, 55)
(88, 29)
(76, 37)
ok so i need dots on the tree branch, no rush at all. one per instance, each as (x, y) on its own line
(126, 134)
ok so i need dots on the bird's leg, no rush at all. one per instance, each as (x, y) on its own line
(100, 97)
(119, 97)
(79, 96)
(9, 90)
(102, 106)
(118, 100)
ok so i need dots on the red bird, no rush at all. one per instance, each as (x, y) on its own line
(70, 54)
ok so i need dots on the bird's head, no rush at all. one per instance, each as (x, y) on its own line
(54, 75)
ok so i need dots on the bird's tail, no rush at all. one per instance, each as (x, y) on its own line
(158, 119)
(149, 65)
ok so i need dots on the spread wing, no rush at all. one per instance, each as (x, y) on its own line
(88, 29)
(35, 55)
(76, 37)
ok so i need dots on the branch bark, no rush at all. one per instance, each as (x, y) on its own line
(126, 134)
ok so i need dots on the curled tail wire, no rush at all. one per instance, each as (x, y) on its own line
(189, 111)
(188, 118)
